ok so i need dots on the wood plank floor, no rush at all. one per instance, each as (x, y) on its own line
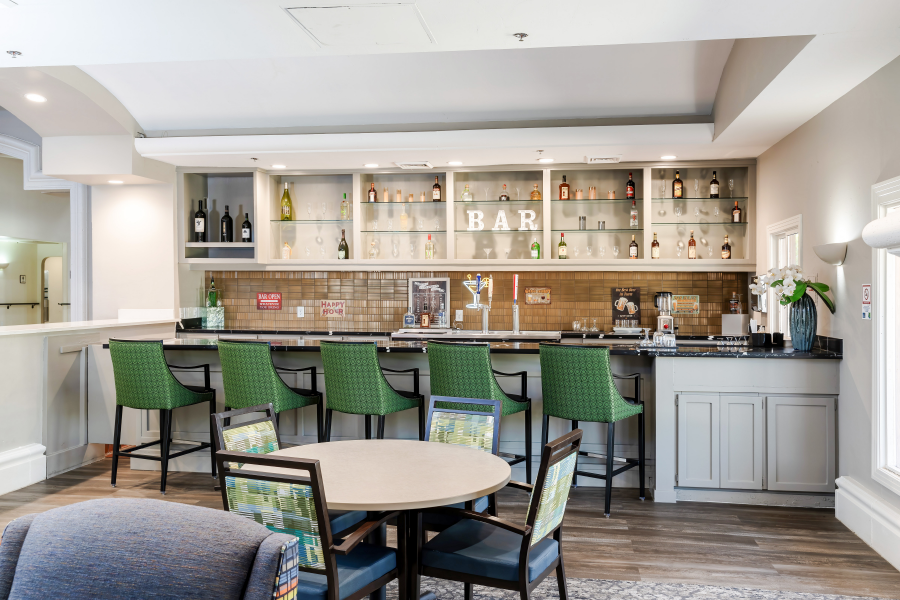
(789, 549)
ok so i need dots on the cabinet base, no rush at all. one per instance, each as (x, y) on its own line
(756, 497)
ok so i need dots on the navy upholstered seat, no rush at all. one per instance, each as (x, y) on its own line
(356, 570)
(345, 519)
(439, 521)
(486, 551)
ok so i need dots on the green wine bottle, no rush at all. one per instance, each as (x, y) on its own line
(287, 208)
(561, 248)
(343, 248)
(212, 296)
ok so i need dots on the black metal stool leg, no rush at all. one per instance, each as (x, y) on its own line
(117, 439)
(528, 427)
(165, 417)
(641, 425)
(328, 412)
(610, 447)
(368, 426)
(320, 423)
(380, 434)
(575, 474)
(545, 431)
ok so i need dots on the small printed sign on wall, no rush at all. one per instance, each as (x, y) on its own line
(268, 301)
(333, 309)
(537, 295)
(867, 302)
(683, 304)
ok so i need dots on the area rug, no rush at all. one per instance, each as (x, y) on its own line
(602, 589)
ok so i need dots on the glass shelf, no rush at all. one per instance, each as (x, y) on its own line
(529, 231)
(569, 231)
(739, 199)
(407, 202)
(597, 200)
(742, 223)
(464, 202)
(411, 231)
(313, 221)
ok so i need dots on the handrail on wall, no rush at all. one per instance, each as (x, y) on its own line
(8, 304)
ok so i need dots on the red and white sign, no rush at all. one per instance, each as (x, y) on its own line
(268, 301)
(867, 301)
(333, 309)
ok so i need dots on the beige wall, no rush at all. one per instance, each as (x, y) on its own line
(825, 170)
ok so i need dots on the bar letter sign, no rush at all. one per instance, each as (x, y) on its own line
(268, 301)
(333, 309)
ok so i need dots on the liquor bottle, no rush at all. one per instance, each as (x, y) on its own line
(632, 249)
(409, 319)
(285, 251)
(200, 223)
(246, 229)
(536, 193)
(404, 219)
(410, 198)
(561, 247)
(564, 189)
(692, 246)
(629, 188)
(429, 248)
(436, 190)
(287, 208)
(345, 209)
(399, 196)
(736, 213)
(212, 295)
(227, 227)
(714, 187)
(385, 195)
(425, 317)
(343, 248)
(535, 249)
(467, 196)
(373, 252)
(504, 197)
(373, 195)
(654, 247)
(422, 197)
(634, 214)
(726, 249)
(677, 186)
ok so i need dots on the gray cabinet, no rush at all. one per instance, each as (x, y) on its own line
(698, 440)
(801, 443)
(741, 442)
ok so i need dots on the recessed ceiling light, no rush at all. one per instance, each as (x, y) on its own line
(115, 181)
(545, 160)
(455, 163)
(668, 157)
(35, 97)
(371, 165)
(278, 166)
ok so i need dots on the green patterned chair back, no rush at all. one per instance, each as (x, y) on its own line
(578, 384)
(474, 429)
(258, 435)
(249, 376)
(354, 382)
(463, 371)
(554, 481)
(143, 379)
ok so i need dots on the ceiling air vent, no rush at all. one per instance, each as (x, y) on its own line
(599, 160)
(424, 164)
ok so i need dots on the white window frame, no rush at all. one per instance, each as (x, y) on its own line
(774, 232)
(885, 437)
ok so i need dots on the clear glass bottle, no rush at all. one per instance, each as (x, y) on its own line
(285, 251)
(561, 248)
(373, 252)
(634, 214)
(345, 209)
(429, 248)
(409, 319)
(536, 193)
(466, 195)
(535, 249)
(287, 207)
(404, 220)
(692, 246)
(504, 197)
(654, 247)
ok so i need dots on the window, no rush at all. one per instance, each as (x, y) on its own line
(785, 249)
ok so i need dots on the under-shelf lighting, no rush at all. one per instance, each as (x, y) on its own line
(371, 165)
(545, 160)
(35, 97)
(668, 157)
(115, 181)
(455, 163)
(278, 167)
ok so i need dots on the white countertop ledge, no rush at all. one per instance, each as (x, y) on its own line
(50, 328)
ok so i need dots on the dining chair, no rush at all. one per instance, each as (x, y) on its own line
(288, 502)
(260, 436)
(485, 550)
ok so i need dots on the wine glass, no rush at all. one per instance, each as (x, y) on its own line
(662, 188)
(309, 211)
(589, 251)
(710, 249)
(602, 251)
(487, 252)
(616, 251)
(696, 188)
(390, 224)
(507, 253)
(395, 250)
(576, 251)
(307, 252)
(517, 193)
(412, 249)
(437, 224)
(594, 328)
(375, 225)
(322, 251)
(679, 248)
(731, 187)
(487, 193)
(697, 212)
(420, 223)
(677, 211)
(716, 211)
(662, 212)
(324, 207)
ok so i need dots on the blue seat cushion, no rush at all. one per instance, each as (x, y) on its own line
(362, 566)
(480, 549)
(443, 521)
(344, 519)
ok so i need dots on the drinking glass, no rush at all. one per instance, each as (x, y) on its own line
(309, 210)
(395, 250)
(487, 193)
(594, 328)
(324, 208)
(677, 211)
(602, 251)
(576, 325)
(375, 225)
(696, 188)
(731, 187)
(487, 252)
(616, 251)
(716, 211)
(507, 253)
(420, 223)
(322, 251)
(662, 188)
(390, 224)
(307, 252)
(710, 249)
(590, 250)
(678, 250)
(412, 249)
(517, 193)
(697, 212)
(437, 224)
(576, 251)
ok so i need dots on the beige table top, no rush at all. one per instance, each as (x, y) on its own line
(399, 474)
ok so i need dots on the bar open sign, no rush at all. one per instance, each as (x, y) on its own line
(333, 309)
(268, 301)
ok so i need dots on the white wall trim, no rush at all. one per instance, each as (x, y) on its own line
(22, 467)
(77, 249)
(876, 523)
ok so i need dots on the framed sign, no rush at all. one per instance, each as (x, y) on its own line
(537, 295)
(626, 303)
(685, 305)
(268, 301)
(434, 290)
(333, 309)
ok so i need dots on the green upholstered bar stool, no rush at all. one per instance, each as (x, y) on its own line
(578, 384)
(251, 379)
(144, 381)
(355, 384)
(464, 371)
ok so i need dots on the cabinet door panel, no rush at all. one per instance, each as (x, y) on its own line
(800, 443)
(698, 440)
(741, 442)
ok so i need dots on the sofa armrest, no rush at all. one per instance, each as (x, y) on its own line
(269, 566)
(13, 538)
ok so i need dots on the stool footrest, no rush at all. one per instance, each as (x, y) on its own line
(128, 453)
(616, 459)
(516, 458)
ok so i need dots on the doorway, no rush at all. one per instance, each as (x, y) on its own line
(52, 305)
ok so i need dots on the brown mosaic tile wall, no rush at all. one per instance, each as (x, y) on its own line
(377, 301)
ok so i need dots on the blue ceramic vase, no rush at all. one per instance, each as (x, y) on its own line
(803, 323)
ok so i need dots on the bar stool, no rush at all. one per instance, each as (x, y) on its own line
(578, 384)
(251, 378)
(464, 371)
(145, 381)
(355, 384)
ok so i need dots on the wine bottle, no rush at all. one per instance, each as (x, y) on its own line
(633, 249)
(246, 229)
(287, 208)
(634, 214)
(504, 197)
(212, 296)
(429, 248)
(345, 208)
(564, 189)
(373, 195)
(654, 247)
(536, 193)
(200, 223)
(692, 246)
(227, 227)
(467, 196)
(677, 186)
(535, 249)
(629, 188)
(561, 247)
(726, 249)
(436, 190)
(736, 213)
(714, 187)
(343, 248)
(404, 219)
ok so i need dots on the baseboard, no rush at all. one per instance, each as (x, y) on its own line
(66, 460)
(756, 498)
(875, 522)
(21, 467)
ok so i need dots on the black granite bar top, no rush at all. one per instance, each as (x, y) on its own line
(531, 348)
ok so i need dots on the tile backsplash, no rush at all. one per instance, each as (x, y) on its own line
(376, 301)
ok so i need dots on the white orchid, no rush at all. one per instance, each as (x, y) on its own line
(789, 284)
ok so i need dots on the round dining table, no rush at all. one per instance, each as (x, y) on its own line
(401, 475)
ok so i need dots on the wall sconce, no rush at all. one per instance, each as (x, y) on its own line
(3, 266)
(833, 254)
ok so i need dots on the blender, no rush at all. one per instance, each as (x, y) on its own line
(664, 336)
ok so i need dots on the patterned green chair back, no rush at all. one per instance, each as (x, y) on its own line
(554, 481)
(474, 429)
(258, 435)
(577, 384)
(143, 379)
(249, 377)
(463, 371)
(354, 382)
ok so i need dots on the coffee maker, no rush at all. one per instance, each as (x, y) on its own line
(664, 336)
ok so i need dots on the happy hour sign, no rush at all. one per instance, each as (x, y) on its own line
(626, 303)
(333, 309)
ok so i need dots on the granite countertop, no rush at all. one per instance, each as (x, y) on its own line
(530, 348)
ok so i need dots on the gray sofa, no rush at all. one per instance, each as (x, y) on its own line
(132, 548)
